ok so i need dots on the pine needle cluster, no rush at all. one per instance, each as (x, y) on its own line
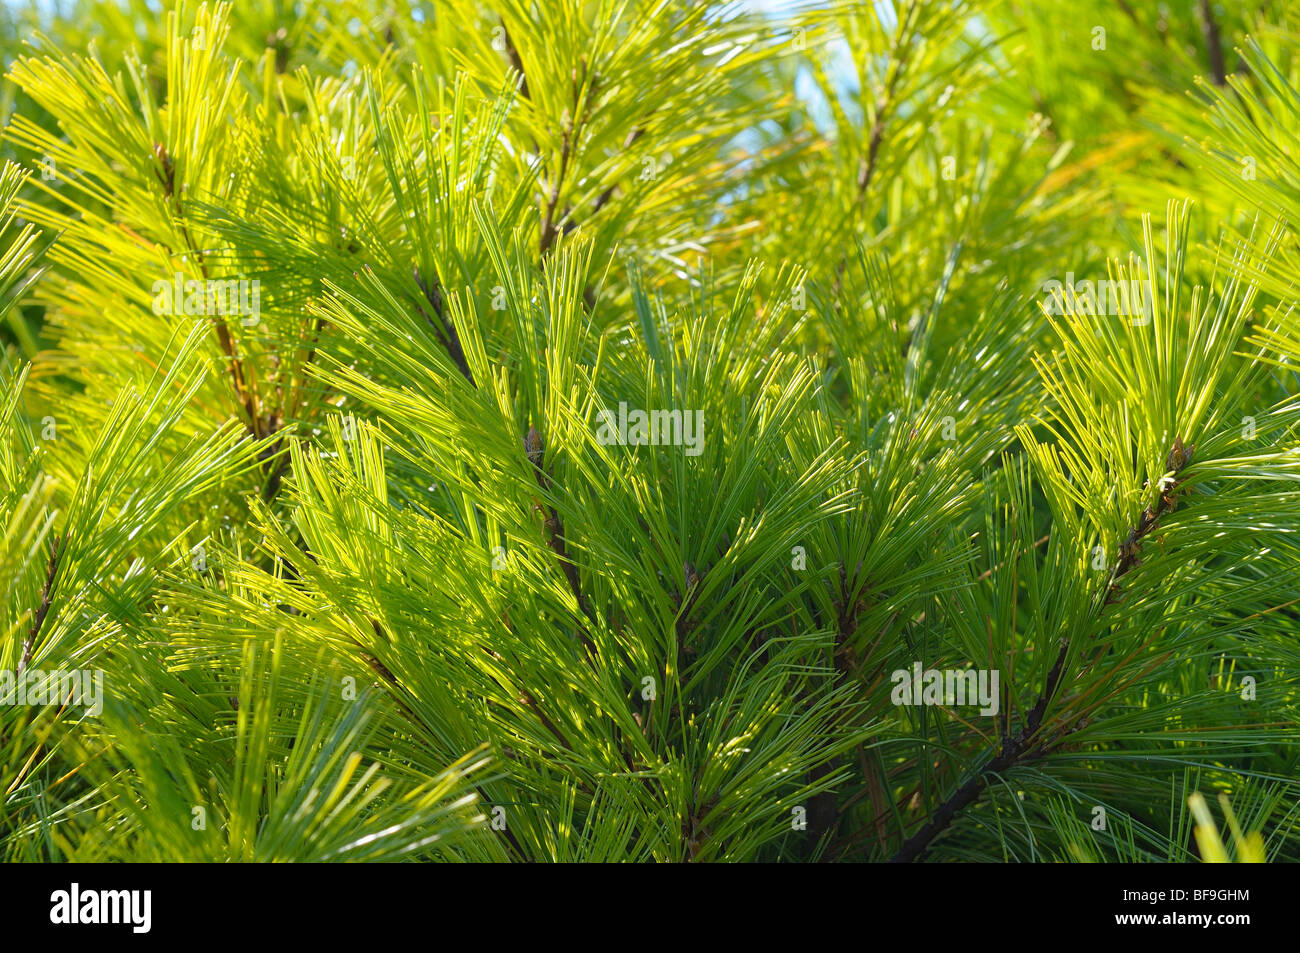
(554, 431)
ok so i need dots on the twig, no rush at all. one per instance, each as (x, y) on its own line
(825, 809)
(526, 699)
(1213, 44)
(444, 328)
(968, 793)
(553, 198)
(603, 199)
(554, 526)
(166, 173)
(47, 592)
(515, 61)
(867, 167)
(1021, 748)
(245, 389)
(992, 569)
(280, 454)
(548, 218)
(568, 145)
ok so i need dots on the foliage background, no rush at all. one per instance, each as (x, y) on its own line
(827, 227)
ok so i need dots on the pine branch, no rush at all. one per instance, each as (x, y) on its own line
(245, 389)
(443, 326)
(1179, 457)
(1017, 751)
(579, 114)
(825, 809)
(47, 593)
(549, 231)
(554, 527)
(685, 605)
(603, 199)
(526, 698)
(1213, 44)
(396, 687)
(166, 173)
(1021, 748)
(884, 104)
(280, 454)
(516, 62)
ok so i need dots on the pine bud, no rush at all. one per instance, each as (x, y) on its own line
(1179, 456)
(168, 174)
(533, 446)
(432, 295)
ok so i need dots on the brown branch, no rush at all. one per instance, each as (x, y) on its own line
(280, 454)
(526, 699)
(1021, 748)
(549, 230)
(278, 42)
(825, 809)
(47, 591)
(245, 389)
(410, 713)
(1179, 457)
(379, 667)
(568, 145)
(991, 570)
(694, 833)
(884, 104)
(1213, 44)
(273, 421)
(603, 199)
(685, 606)
(847, 620)
(515, 61)
(554, 526)
(1017, 750)
(548, 217)
(444, 327)
(967, 794)
(166, 173)
(1128, 11)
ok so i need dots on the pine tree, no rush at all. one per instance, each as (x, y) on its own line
(564, 431)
